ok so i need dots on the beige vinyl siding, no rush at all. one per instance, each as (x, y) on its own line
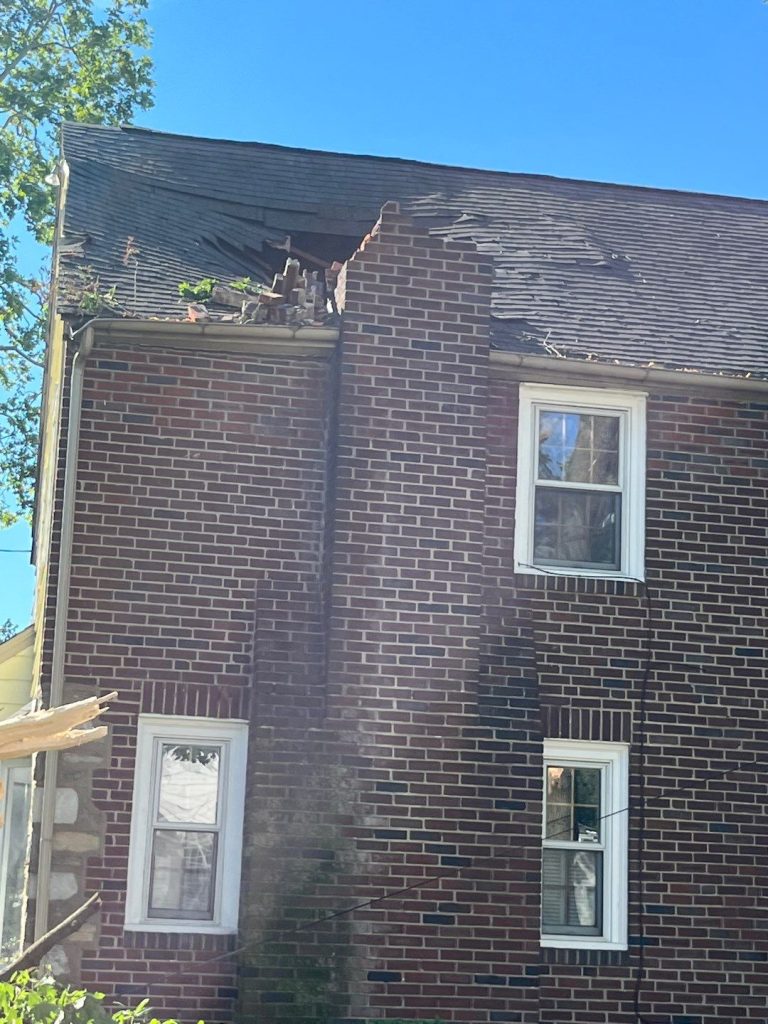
(16, 664)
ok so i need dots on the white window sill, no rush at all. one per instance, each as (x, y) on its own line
(574, 942)
(180, 927)
(590, 574)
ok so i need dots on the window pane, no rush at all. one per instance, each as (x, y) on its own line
(586, 785)
(189, 784)
(559, 783)
(579, 447)
(559, 802)
(573, 804)
(577, 528)
(183, 873)
(571, 885)
(586, 824)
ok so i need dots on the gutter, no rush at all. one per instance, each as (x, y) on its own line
(267, 339)
(61, 614)
(557, 368)
(274, 339)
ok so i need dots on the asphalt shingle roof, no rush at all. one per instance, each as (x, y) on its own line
(609, 272)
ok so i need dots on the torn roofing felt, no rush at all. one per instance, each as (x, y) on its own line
(593, 271)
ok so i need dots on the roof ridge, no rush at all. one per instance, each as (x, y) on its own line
(516, 175)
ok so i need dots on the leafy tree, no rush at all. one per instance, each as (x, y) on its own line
(78, 60)
(31, 997)
(7, 630)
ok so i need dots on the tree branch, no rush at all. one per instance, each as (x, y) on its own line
(6, 72)
(33, 954)
(17, 351)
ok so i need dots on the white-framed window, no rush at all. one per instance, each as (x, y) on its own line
(584, 845)
(15, 824)
(186, 825)
(580, 482)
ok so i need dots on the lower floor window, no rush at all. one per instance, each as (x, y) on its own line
(584, 855)
(186, 827)
(15, 791)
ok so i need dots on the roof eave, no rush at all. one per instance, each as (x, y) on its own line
(268, 339)
(614, 373)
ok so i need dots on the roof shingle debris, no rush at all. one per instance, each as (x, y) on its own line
(296, 297)
(590, 271)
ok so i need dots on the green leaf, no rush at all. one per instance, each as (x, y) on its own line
(199, 292)
(32, 997)
(78, 60)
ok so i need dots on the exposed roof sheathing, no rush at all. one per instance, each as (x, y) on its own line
(592, 271)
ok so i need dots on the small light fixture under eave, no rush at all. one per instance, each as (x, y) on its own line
(53, 179)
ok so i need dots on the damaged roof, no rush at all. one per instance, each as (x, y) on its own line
(613, 273)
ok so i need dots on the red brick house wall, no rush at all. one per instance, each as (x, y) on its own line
(198, 476)
(326, 546)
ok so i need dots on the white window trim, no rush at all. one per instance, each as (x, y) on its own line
(233, 733)
(632, 405)
(16, 770)
(614, 759)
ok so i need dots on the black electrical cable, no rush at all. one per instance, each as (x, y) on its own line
(438, 876)
(642, 807)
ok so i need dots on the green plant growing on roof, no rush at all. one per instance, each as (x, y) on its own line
(244, 284)
(199, 292)
(202, 290)
(93, 301)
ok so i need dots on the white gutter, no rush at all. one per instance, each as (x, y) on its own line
(266, 339)
(649, 375)
(61, 614)
(275, 339)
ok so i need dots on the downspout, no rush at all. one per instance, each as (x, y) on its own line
(61, 614)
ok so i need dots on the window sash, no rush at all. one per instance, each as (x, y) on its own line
(571, 895)
(563, 836)
(183, 913)
(583, 487)
(563, 532)
(572, 846)
(539, 407)
(190, 826)
(160, 825)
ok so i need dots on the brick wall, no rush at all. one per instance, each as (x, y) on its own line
(200, 480)
(335, 540)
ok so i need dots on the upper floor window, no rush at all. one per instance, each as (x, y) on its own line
(580, 482)
(187, 825)
(584, 857)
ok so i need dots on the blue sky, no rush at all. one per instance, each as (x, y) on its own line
(668, 93)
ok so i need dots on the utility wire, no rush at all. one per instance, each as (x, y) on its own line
(641, 804)
(643, 723)
(436, 877)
